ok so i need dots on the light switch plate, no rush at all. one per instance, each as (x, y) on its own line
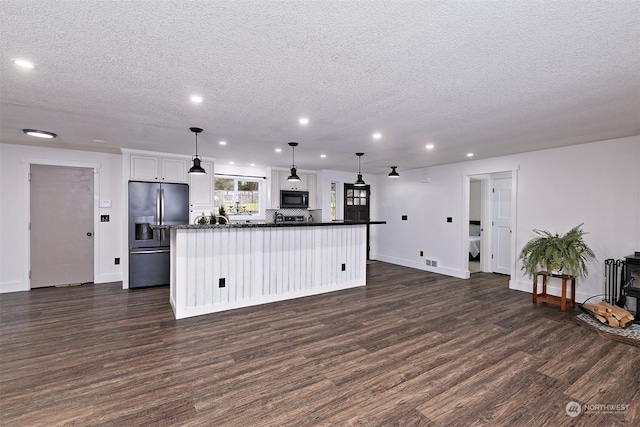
(105, 203)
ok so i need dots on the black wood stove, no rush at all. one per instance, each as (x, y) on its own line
(631, 283)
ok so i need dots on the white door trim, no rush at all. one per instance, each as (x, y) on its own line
(464, 227)
(26, 207)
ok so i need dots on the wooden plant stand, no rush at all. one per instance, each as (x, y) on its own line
(554, 299)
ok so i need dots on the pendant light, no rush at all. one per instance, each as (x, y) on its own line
(294, 176)
(196, 169)
(393, 173)
(359, 182)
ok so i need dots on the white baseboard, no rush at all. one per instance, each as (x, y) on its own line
(21, 286)
(106, 278)
(460, 274)
(185, 312)
(7, 287)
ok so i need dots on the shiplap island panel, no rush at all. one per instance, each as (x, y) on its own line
(217, 268)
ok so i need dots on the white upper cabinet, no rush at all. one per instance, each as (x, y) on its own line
(311, 186)
(286, 185)
(158, 168)
(201, 189)
(144, 167)
(174, 170)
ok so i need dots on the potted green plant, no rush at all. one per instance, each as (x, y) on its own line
(557, 254)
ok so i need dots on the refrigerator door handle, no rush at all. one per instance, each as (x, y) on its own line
(161, 206)
(162, 232)
(158, 222)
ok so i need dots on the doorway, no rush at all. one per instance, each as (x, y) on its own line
(475, 225)
(357, 206)
(61, 225)
(490, 207)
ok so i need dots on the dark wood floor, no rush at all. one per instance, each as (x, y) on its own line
(412, 348)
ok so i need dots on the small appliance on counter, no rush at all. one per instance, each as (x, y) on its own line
(294, 218)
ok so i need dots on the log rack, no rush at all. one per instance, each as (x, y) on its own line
(554, 299)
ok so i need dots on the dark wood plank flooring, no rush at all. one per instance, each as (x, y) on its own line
(411, 349)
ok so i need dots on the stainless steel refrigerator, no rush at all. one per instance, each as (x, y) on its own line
(152, 208)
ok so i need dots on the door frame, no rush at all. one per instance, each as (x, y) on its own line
(26, 207)
(466, 191)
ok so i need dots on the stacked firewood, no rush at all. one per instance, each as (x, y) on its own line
(610, 314)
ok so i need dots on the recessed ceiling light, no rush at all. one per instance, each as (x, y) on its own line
(231, 163)
(99, 140)
(196, 99)
(469, 154)
(323, 155)
(303, 121)
(223, 143)
(278, 150)
(429, 146)
(24, 63)
(39, 133)
(377, 135)
(252, 164)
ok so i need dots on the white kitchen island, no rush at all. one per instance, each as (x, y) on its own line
(222, 267)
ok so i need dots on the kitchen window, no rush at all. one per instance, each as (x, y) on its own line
(239, 196)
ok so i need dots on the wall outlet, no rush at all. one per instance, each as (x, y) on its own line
(432, 262)
(421, 253)
(116, 261)
(344, 267)
(221, 282)
(104, 218)
(449, 219)
(404, 217)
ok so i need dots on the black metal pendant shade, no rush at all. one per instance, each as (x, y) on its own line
(196, 168)
(359, 182)
(394, 173)
(294, 175)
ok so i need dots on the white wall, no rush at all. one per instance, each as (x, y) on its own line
(595, 184)
(14, 211)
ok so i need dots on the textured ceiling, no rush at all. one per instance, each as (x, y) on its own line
(488, 77)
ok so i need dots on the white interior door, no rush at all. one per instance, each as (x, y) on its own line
(61, 224)
(501, 253)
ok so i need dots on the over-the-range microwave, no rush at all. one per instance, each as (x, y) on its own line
(294, 199)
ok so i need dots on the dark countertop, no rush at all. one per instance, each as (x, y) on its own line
(270, 224)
